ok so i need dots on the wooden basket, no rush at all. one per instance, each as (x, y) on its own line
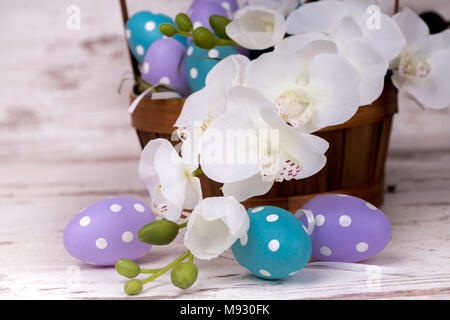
(355, 158)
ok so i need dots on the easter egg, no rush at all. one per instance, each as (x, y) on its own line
(200, 61)
(107, 231)
(230, 6)
(165, 63)
(201, 10)
(347, 229)
(276, 245)
(142, 29)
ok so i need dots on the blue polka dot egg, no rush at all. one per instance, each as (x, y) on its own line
(200, 61)
(276, 245)
(142, 30)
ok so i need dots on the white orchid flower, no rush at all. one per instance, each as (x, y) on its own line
(423, 67)
(283, 6)
(257, 27)
(250, 147)
(326, 16)
(363, 57)
(205, 105)
(214, 225)
(311, 89)
(169, 180)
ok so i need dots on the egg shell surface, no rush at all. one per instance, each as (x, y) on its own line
(347, 229)
(276, 245)
(107, 231)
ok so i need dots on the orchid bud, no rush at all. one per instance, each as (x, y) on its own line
(168, 29)
(183, 22)
(203, 38)
(127, 268)
(158, 232)
(219, 24)
(184, 275)
(133, 287)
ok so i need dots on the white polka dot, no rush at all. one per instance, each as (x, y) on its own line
(197, 24)
(325, 251)
(264, 272)
(150, 26)
(164, 80)
(274, 245)
(271, 217)
(128, 33)
(213, 53)
(371, 206)
(345, 220)
(319, 220)
(257, 209)
(146, 67)
(85, 221)
(193, 73)
(115, 208)
(127, 236)
(139, 207)
(243, 240)
(190, 50)
(101, 243)
(362, 247)
(140, 50)
(225, 5)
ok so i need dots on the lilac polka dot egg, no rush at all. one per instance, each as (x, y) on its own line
(107, 231)
(346, 228)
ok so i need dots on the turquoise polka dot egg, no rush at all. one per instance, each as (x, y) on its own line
(276, 245)
(200, 61)
(142, 30)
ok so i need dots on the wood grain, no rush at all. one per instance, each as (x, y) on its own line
(66, 142)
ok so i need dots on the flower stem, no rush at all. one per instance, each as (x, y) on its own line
(183, 225)
(167, 268)
(191, 257)
(197, 172)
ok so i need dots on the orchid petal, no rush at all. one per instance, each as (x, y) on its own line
(230, 72)
(414, 29)
(244, 189)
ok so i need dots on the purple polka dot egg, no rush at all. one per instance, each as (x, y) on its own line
(346, 228)
(107, 231)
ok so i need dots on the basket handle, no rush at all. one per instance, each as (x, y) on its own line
(134, 63)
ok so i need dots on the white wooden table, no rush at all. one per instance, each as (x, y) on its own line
(66, 142)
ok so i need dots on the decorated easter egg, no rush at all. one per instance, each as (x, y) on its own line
(200, 61)
(165, 63)
(107, 231)
(347, 229)
(201, 10)
(230, 6)
(142, 30)
(276, 245)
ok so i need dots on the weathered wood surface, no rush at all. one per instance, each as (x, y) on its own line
(66, 142)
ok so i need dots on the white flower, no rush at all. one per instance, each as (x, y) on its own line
(257, 27)
(214, 225)
(168, 179)
(363, 57)
(311, 89)
(423, 67)
(325, 16)
(205, 105)
(283, 6)
(250, 147)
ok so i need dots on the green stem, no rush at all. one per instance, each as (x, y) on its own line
(183, 225)
(167, 268)
(184, 33)
(191, 258)
(225, 42)
(197, 172)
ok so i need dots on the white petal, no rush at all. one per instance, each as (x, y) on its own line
(193, 193)
(334, 88)
(230, 72)
(414, 29)
(251, 187)
(436, 42)
(147, 171)
(321, 16)
(370, 65)
(214, 225)
(299, 41)
(256, 27)
(433, 91)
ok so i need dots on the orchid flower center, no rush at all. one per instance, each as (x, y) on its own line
(294, 106)
(411, 66)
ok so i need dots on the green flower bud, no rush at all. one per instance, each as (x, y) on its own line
(127, 268)
(219, 24)
(168, 29)
(183, 275)
(159, 232)
(133, 287)
(183, 22)
(203, 38)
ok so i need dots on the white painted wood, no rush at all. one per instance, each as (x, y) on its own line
(66, 142)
